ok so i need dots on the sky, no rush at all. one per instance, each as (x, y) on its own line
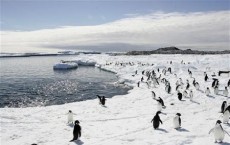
(109, 25)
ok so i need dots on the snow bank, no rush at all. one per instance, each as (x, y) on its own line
(126, 119)
(85, 62)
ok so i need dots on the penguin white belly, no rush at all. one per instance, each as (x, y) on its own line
(218, 133)
(226, 117)
(159, 106)
(70, 117)
(207, 92)
(216, 91)
(176, 122)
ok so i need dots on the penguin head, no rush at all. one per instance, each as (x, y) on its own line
(77, 122)
(178, 114)
(224, 102)
(218, 122)
(70, 111)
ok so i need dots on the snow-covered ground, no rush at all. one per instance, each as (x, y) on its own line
(127, 119)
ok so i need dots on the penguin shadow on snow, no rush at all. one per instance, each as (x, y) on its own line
(78, 142)
(161, 129)
(182, 129)
(210, 96)
(195, 102)
(70, 125)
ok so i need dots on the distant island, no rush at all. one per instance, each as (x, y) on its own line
(175, 50)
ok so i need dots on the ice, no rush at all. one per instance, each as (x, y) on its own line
(125, 119)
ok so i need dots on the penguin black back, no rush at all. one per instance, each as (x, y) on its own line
(156, 120)
(103, 100)
(179, 96)
(76, 131)
(223, 106)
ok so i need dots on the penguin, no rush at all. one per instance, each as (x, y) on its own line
(156, 120)
(197, 86)
(160, 104)
(142, 79)
(226, 116)
(168, 88)
(216, 90)
(70, 117)
(218, 132)
(207, 91)
(177, 121)
(225, 92)
(177, 88)
(99, 97)
(206, 77)
(223, 106)
(187, 86)
(76, 131)
(185, 94)
(103, 100)
(153, 95)
(194, 82)
(190, 74)
(229, 83)
(179, 96)
(138, 84)
(191, 95)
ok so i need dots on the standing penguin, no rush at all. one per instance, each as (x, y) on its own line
(187, 86)
(160, 104)
(223, 106)
(229, 83)
(218, 132)
(197, 86)
(225, 92)
(185, 94)
(103, 100)
(207, 91)
(226, 116)
(177, 121)
(156, 120)
(179, 96)
(70, 117)
(206, 77)
(191, 95)
(153, 95)
(168, 88)
(76, 131)
(216, 90)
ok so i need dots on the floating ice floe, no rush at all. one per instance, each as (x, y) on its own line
(65, 65)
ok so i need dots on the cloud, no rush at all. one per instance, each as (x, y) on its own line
(203, 30)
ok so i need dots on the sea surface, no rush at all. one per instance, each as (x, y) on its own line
(31, 81)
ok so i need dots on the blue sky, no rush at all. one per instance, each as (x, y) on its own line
(40, 14)
(109, 25)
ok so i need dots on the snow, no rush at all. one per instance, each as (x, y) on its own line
(126, 119)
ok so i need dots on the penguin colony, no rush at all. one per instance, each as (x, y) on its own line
(184, 88)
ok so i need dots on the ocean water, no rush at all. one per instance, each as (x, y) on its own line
(31, 81)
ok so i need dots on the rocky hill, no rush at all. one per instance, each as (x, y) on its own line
(175, 50)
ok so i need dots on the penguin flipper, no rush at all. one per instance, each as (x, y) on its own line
(211, 131)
